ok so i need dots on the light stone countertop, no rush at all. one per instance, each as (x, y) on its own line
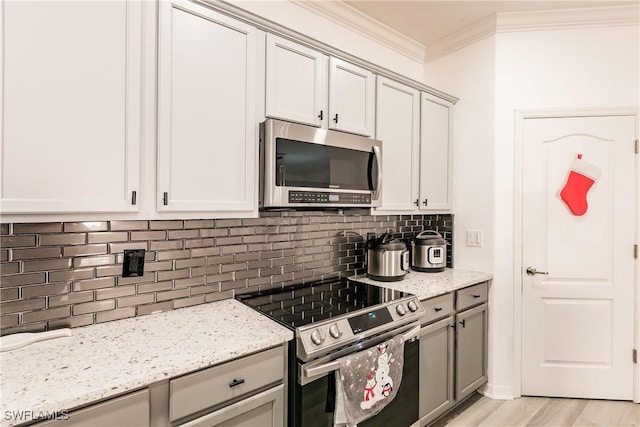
(429, 285)
(107, 359)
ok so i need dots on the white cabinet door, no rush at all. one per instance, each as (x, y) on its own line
(71, 85)
(207, 128)
(435, 153)
(352, 94)
(398, 127)
(296, 86)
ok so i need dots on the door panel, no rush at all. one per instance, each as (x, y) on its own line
(206, 108)
(352, 94)
(296, 87)
(578, 319)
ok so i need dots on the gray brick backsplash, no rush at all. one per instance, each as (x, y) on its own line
(55, 275)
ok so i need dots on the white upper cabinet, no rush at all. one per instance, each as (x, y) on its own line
(398, 127)
(436, 153)
(305, 86)
(207, 126)
(71, 116)
(351, 98)
(296, 87)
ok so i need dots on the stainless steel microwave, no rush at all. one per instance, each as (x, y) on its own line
(303, 166)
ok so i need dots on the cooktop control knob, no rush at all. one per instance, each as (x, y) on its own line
(412, 306)
(335, 331)
(317, 337)
(401, 310)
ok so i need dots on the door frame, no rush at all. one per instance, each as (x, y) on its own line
(520, 117)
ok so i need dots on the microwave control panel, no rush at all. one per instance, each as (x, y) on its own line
(329, 197)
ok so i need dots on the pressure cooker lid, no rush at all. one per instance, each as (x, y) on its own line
(430, 238)
(387, 242)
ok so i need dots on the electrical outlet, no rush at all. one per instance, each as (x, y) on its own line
(474, 238)
(133, 265)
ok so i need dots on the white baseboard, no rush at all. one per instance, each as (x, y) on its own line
(497, 391)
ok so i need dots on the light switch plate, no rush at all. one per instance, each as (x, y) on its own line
(474, 238)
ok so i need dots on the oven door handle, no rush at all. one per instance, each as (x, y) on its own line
(332, 366)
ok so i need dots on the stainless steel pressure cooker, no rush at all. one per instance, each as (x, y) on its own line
(429, 252)
(388, 258)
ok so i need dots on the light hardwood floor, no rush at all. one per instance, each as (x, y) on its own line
(542, 412)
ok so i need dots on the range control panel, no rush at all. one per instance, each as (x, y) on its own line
(329, 197)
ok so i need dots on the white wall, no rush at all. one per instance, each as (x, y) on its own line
(470, 73)
(569, 69)
(297, 18)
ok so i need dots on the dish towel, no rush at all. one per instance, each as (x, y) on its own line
(367, 381)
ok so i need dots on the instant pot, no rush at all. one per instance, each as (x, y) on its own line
(387, 258)
(429, 250)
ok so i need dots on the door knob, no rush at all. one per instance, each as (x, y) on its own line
(531, 271)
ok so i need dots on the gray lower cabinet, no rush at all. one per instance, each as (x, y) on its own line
(436, 369)
(453, 350)
(264, 409)
(244, 392)
(130, 410)
(471, 350)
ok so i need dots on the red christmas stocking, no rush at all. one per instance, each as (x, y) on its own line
(581, 177)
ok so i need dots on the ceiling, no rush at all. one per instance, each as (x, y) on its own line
(427, 21)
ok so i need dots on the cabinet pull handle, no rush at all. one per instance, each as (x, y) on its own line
(476, 296)
(321, 115)
(425, 201)
(165, 198)
(236, 382)
(462, 322)
(335, 119)
(134, 197)
(437, 309)
(417, 202)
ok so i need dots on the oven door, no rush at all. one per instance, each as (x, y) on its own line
(314, 400)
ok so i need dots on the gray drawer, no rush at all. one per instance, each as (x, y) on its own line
(473, 295)
(204, 389)
(437, 308)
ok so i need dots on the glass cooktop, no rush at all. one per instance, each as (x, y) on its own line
(300, 305)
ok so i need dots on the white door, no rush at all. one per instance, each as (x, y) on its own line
(398, 127)
(352, 92)
(207, 128)
(71, 94)
(296, 86)
(578, 324)
(436, 153)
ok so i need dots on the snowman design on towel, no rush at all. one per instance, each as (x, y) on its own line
(379, 384)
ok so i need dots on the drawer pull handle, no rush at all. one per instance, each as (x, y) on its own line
(236, 382)
(437, 309)
(476, 296)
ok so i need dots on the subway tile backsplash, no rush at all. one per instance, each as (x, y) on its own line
(55, 275)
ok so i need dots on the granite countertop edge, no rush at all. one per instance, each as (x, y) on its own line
(106, 360)
(427, 285)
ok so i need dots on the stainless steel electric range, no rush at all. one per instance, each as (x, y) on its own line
(332, 319)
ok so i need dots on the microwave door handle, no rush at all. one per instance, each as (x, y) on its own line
(378, 157)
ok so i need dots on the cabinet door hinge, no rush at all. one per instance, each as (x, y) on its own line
(635, 251)
(637, 148)
(134, 197)
(635, 356)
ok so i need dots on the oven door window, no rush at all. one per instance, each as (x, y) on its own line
(304, 164)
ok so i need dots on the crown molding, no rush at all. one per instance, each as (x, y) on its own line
(351, 18)
(468, 35)
(608, 16)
